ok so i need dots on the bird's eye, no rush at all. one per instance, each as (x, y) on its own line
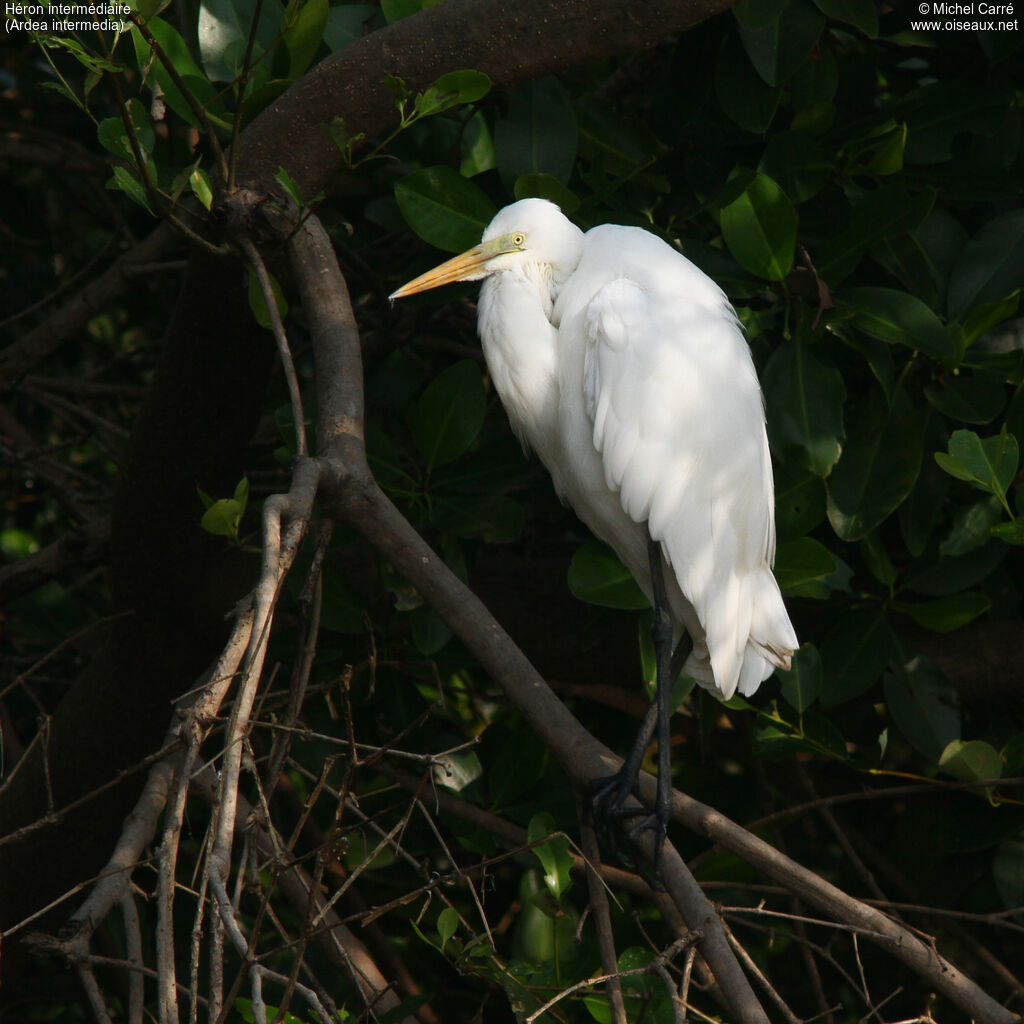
(518, 239)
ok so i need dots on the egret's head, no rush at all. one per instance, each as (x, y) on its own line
(530, 231)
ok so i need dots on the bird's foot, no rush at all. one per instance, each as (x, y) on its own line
(607, 808)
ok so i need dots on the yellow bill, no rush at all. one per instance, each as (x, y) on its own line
(468, 266)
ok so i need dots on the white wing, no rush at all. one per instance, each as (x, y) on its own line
(676, 412)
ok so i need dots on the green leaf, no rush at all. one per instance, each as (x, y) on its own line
(190, 74)
(920, 513)
(443, 208)
(799, 564)
(990, 265)
(742, 93)
(457, 770)
(945, 575)
(1011, 533)
(223, 34)
(923, 258)
(853, 654)
(946, 613)
(797, 163)
(891, 315)
(802, 684)
(759, 227)
(1008, 872)
(986, 316)
(972, 527)
(755, 14)
(429, 631)
(799, 502)
(804, 402)
(447, 925)
(971, 761)
(222, 518)
(538, 134)
(131, 185)
(449, 414)
(554, 855)
(598, 577)
(885, 212)
(923, 705)
(202, 188)
(544, 186)
(113, 135)
(877, 559)
(973, 398)
(862, 14)
(452, 90)
(257, 302)
(778, 48)
(888, 158)
(347, 24)
(302, 38)
(879, 465)
(989, 464)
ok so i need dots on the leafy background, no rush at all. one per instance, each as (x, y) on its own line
(855, 187)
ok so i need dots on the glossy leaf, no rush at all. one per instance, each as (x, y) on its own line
(447, 925)
(978, 398)
(777, 48)
(1010, 533)
(853, 654)
(538, 134)
(879, 465)
(452, 90)
(802, 684)
(950, 574)
(862, 14)
(920, 513)
(257, 300)
(891, 315)
(176, 50)
(989, 464)
(554, 855)
(799, 502)
(443, 208)
(302, 38)
(972, 527)
(800, 563)
(598, 577)
(990, 266)
(223, 33)
(347, 23)
(946, 613)
(885, 212)
(797, 163)
(742, 93)
(449, 414)
(924, 706)
(759, 227)
(1008, 872)
(971, 761)
(457, 770)
(804, 401)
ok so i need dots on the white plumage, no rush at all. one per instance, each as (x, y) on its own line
(624, 368)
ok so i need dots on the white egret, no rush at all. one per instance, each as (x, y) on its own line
(625, 369)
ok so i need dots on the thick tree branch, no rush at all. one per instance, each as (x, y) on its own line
(510, 42)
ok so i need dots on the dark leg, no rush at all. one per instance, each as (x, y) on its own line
(611, 793)
(661, 634)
